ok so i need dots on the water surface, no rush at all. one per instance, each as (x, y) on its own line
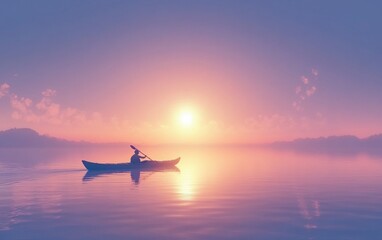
(218, 193)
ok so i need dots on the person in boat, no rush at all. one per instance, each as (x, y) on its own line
(136, 158)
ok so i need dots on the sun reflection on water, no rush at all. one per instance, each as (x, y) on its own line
(187, 186)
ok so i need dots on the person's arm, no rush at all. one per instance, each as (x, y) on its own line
(143, 156)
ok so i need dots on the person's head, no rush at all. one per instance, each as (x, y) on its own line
(136, 151)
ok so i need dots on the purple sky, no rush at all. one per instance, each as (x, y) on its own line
(247, 71)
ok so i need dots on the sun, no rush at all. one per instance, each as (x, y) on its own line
(186, 118)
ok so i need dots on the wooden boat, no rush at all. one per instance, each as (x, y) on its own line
(145, 165)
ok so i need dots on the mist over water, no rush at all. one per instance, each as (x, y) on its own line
(218, 193)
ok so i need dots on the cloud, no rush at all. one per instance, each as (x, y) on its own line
(315, 72)
(66, 121)
(55, 118)
(305, 80)
(280, 126)
(270, 122)
(297, 106)
(311, 91)
(20, 104)
(49, 93)
(46, 110)
(305, 90)
(4, 89)
(47, 106)
(22, 109)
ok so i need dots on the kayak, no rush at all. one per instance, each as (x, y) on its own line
(145, 165)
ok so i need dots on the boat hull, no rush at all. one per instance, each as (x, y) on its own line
(145, 165)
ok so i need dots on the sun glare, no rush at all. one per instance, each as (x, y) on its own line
(186, 118)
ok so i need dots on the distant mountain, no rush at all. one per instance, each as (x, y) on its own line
(335, 144)
(26, 137)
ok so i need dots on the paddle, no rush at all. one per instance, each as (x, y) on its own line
(140, 151)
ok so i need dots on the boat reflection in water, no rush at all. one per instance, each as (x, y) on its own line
(135, 174)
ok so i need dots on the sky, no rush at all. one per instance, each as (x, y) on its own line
(159, 72)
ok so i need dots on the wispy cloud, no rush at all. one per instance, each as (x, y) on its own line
(52, 117)
(49, 93)
(50, 111)
(4, 89)
(314, 72)
(305, 80)
(268, 127)
(274, 121)
(311, 91)
(45, 109)
(20, 105)
(305, 89)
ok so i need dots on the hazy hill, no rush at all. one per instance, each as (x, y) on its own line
(26, 137)
(335, 144)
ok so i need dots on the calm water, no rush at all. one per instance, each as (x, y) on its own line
(218, 193)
